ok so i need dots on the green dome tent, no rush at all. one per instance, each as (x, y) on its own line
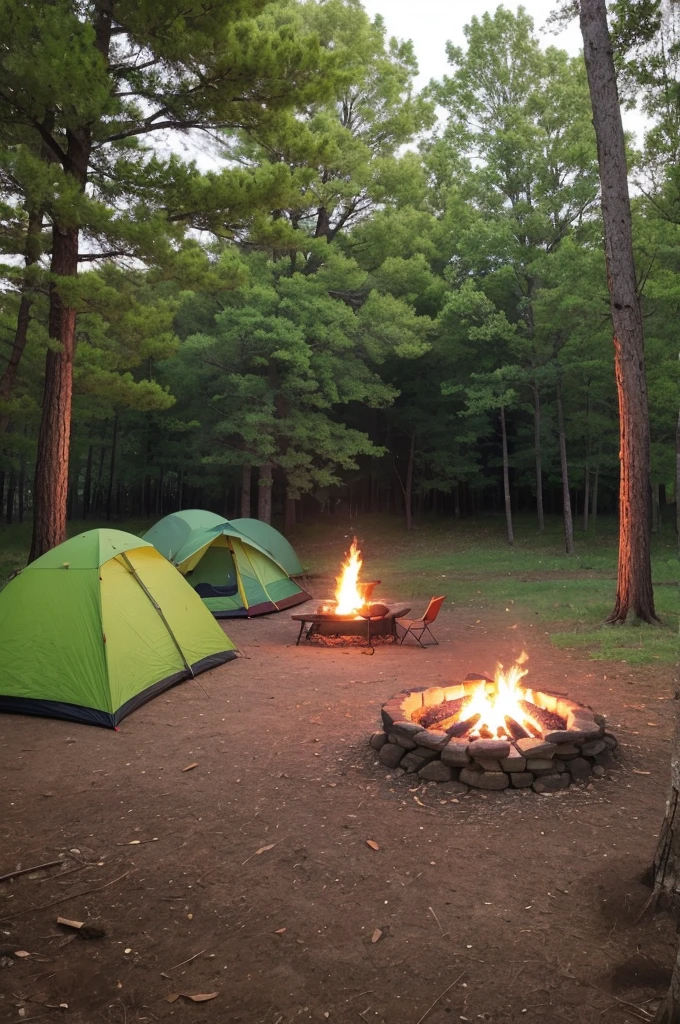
(272, 541)
(235, 575)
(98, 626)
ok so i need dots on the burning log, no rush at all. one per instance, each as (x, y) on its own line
(514, 729)
(544, 721)
(461, 729)
(442, 715)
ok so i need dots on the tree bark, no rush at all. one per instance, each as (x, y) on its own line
(669, 1011)
(593, 503)
(586, 475)
(112, 467)
(539, 469)
(408, 487)
(677, 483)
(96, 501)
(291, 512)
(656, 508)
(506, 480)
(50, 488)
(22, 489)
(87, 483)
(666, 863)
(264, 494)
(9, 375)
(246, 479)
(564, 467)
(634, 595)
(11, 491)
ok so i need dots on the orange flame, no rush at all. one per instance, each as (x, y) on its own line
(494, 701)
(348, 598)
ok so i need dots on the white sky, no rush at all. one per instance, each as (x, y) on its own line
(431, 23)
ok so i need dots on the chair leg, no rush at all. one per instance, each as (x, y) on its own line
(434, 639)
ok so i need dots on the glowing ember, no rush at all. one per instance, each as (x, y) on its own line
(495, 702)
(348, 597)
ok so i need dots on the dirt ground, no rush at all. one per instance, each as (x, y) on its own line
(250, 876)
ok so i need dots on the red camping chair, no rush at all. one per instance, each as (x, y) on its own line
(418, 627)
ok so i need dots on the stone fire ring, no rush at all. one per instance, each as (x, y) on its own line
(547, 764)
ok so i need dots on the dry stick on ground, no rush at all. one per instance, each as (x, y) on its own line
(187, 961)
(440, 996)
(436, 919)
(25, 871)
(65, 899)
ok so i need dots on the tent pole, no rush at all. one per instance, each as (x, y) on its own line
(158, 608)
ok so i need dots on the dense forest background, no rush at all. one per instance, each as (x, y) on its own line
(380, 300)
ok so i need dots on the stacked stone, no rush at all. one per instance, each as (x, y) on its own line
(583, 748)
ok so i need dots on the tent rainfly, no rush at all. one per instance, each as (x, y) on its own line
(234, 574)
(98, 626)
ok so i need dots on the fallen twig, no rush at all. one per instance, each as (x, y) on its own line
(440, 996)
(436, 919)
(187, 961)
(26, 871)
(65, 899)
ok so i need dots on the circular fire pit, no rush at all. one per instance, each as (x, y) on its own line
(491, 734)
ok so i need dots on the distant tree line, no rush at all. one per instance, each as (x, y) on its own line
(365, 307)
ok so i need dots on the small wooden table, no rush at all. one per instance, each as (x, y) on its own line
(315, 620)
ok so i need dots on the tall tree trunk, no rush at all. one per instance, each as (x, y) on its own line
(87, 483)
(634, 595)
(539, 469)
(564, 466)
(586, 488)
(180, 490)
(22, 489)
(456, 500)
(50, 488)
(408, 486)
(97, 499)
(32, 255)
(246, 480)
(112, 466)
(11, 491)
(593, 503)
(506, 480)
(669, 1011)
(677, 483)
(666, 863)
(656, 508)
(264, 493)
(291, 512)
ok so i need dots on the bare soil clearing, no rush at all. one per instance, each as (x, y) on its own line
(251, 876)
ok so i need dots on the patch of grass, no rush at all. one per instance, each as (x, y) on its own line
(471, 563)
(636, 645)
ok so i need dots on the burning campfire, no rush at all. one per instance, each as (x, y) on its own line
(349, 598)
(494, 733)
(352, 598)
(496, 710)
(351, 613)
